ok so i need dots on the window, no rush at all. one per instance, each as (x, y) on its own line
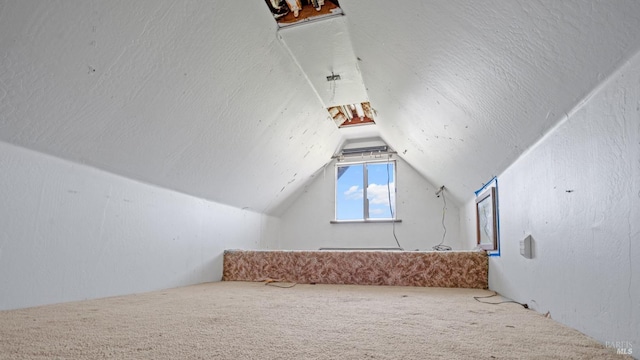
(366, 191)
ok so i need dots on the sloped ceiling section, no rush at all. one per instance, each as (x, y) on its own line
(462, 88)
(203, 97)
(195, 96)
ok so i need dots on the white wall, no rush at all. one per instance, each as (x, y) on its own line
(71, 232)
(577, 192)
(305, 224)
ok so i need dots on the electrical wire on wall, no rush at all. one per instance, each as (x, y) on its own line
(332, 84)
(441, 246)
(393, 219)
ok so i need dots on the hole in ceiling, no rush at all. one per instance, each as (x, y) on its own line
(289, 12)
(352, 114)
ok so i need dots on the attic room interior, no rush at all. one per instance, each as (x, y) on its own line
(175, 173)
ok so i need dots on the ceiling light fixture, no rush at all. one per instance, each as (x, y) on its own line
(333, 77)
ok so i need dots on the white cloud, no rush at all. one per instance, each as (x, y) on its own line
(378, 194)
(354, 193)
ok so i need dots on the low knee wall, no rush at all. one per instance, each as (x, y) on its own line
(453, 269)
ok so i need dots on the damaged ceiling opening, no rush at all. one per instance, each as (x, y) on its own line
(352, 114)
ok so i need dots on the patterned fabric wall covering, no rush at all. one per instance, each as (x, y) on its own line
(454, 269)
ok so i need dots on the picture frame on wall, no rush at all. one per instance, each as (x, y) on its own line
(486, 223)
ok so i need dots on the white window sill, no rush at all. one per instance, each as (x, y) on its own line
(365, 221)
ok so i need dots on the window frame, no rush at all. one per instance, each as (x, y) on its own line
(365, 201)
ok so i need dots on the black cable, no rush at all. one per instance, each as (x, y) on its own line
(282, 286)
(441, 247)
(444, 207)
(393, 220)
(477, 298)
(278, 283)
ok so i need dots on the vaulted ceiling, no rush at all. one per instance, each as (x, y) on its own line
(211, 99)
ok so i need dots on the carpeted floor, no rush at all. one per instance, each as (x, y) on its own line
(240, 320)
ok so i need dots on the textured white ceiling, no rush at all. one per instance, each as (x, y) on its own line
(202, 97)
(466, 86)
(196, 96)
(323, 48)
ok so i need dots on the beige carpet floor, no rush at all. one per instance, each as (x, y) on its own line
(236, 320)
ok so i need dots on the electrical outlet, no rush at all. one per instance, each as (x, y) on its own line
(525, 247)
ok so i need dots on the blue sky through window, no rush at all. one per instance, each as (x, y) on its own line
(378, 191)
(350, 191)
(349, 204)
